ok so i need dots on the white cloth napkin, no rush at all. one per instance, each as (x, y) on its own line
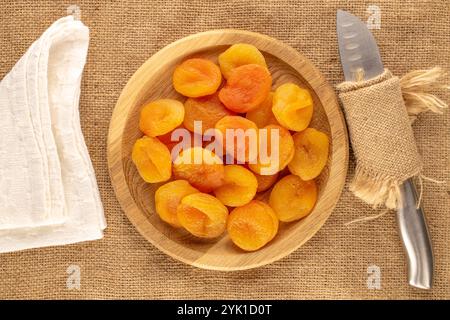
(48, 190)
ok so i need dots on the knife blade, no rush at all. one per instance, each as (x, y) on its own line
(361, 60)
(357, 48)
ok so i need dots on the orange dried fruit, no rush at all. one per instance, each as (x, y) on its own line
(239, 137)
(161, 116)
(202, 215)
(311, 153)
(247, 87)
(207, 109)
(239, 186)
(292, 106)
(268, 162)
(238, 55)
(202, 168)
(263, 115)
(181, 138)
(252, 226)
(265, 182)
(292, 198)
(167, 138)
(168, 197)
(197, 77)
(152, 159)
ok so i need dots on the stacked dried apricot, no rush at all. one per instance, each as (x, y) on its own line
(229, 144)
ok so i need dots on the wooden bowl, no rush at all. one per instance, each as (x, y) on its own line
(153, 80)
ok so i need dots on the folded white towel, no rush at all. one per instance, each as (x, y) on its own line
(48, 191)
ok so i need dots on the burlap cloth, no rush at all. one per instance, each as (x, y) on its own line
(382, 139)
(413, 35)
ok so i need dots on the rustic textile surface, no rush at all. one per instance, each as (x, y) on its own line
(334, 263)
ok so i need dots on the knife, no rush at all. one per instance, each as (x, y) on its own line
(361, 60)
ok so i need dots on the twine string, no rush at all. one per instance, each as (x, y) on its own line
(367, 218)
(417, 91)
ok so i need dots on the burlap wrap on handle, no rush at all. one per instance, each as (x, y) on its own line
(382, 138)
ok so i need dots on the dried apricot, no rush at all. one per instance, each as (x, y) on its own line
(265, 182)
(239, 136)
(273, 158)
(292, 106)
(168, 197)
(239, 186)
(152, 159)
(292, 198)
(167, 137)
(238, 55)
(207, 109)
(247, 87)
(181, 138)
(161, 116)
(202, 215)
(200, 167)
(252, 226)
(197, 78)
(311, 153)
(263, 115)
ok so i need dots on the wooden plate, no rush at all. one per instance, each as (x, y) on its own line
(153, 80)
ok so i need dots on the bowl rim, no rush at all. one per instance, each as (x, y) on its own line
(339, 137)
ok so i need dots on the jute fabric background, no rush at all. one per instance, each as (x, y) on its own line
(334, 264)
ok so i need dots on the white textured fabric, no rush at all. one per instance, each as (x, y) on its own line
(48, 191)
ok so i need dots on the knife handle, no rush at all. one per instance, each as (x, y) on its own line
(415, 237)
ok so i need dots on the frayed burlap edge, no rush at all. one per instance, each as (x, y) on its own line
(377, 190)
